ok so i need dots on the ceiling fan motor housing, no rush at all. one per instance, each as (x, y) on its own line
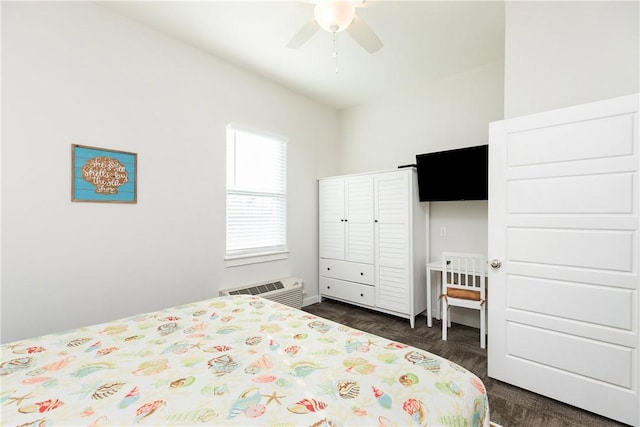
(334, 16)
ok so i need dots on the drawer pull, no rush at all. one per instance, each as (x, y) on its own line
(342, 220)
(361, 295)
(328, 287)
(362, 274)
(328, 268)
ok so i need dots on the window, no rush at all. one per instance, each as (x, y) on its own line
(256, 196)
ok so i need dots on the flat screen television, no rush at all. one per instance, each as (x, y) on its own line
(460, 174)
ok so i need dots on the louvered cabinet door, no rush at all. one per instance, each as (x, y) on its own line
(331, 217)
(392, 241)
(359, 219)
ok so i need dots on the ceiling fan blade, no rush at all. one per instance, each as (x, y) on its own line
(364, 35)
(303, 34)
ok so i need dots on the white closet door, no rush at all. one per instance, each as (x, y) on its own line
(393, 242)
(331, 217)
(563, 220)
(359, 216)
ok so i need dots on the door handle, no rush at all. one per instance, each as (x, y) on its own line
(496, 263)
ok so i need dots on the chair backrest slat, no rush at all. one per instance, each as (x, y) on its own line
(464, 271)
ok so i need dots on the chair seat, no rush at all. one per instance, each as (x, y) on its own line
(463, 294)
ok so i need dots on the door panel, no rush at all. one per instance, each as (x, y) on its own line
(331, 200)
(571, 354)
(332, 240)
(563, 219)
(393, 245)
(359, 215)
(392, 199)
(360, 242)
(331, 218)
(577, 140)
(359, 195)
(393, 268)
(393, 292)
(571, 299)
(573, 194)
(607, 249)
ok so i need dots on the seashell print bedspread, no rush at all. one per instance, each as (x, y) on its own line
(238, 360)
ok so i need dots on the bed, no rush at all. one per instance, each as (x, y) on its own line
(239, 360)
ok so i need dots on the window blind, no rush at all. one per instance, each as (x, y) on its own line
(256, 193)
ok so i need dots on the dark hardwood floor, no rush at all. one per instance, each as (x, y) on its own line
(509, 406)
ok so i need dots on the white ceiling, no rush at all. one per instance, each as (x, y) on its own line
(423, 41)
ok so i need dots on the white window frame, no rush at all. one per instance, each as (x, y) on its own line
(249, 255)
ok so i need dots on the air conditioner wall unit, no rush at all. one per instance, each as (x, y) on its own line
(287, 291)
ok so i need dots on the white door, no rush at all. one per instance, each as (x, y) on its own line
(331, 218)
(392, 242)
(359, 219)
(563, 221)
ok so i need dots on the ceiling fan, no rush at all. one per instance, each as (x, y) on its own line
(336, 16)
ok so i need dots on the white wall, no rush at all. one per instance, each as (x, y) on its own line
(452, 113)
(465, 227)
(559, 54)
(75, 72)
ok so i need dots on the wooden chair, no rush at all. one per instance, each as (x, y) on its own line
(464, 285)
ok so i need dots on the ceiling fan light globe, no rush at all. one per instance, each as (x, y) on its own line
(334, 16)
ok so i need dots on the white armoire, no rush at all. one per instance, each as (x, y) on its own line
(373, 241)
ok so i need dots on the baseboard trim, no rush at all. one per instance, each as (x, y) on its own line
(310, 300)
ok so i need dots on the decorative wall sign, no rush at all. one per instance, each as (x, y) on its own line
(102, 175)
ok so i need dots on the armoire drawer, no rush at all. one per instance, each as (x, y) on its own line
(345, 270)
(348, 291)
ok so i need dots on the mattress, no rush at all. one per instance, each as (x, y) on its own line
(238, 360)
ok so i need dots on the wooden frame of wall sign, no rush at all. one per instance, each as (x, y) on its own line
(102, 175)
